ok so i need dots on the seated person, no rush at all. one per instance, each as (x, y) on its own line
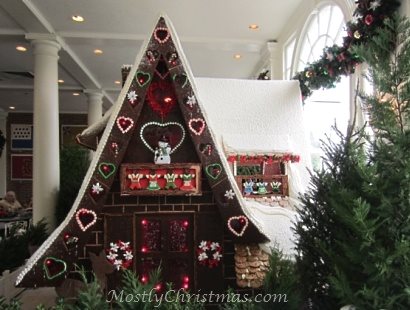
(9, 204)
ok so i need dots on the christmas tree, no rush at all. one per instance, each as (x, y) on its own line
(354, 233)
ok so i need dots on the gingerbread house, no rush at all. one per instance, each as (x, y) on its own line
(170, 180)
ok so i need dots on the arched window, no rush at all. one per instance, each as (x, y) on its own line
(325, 107)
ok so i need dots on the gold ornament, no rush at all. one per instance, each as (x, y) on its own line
(357, 34)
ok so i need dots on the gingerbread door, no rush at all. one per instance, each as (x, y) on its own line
(165, 240)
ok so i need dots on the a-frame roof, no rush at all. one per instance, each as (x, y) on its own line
(53, 254)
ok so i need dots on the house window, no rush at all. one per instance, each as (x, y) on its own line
(329, 107)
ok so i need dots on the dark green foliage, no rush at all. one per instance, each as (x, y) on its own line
(74, 163)
(14, 250)
(341, 60)
(354, 245)
(91, 298)
(11, 305)
(283, 280)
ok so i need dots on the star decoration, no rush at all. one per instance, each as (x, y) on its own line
(128, 255)
(375, 4)
(202, 256)
(132, 96)
(114, 247)
(117, 264)
(97, 188)
(214, 246)
(124, 245)
(191, 101)
(112, 256)
(203, 245)
(229, 194)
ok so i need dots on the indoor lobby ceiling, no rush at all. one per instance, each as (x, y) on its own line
(211, 32)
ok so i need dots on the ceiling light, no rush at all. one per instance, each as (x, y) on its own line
(253, 27)
(12, 108)
(60, 81)
(237, 56)
(77, 18)
(21, 48)
(117, 82)
(76, 94)
(98, 52)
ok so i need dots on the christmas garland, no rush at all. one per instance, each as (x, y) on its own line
(336, 61)
(120, 254)
(256, 159)
(209, 253)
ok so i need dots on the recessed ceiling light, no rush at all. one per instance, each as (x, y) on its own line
(76, 94)
(12, 108)
(21, 48)
(253, 27)
(60, 81)
(98, 52)
(117, 82)
(237, 56)
(77, 18)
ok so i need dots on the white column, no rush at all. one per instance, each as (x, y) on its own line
(3, 158)
(94, 109)
(94, 105)
(275, 61)
(46, 148)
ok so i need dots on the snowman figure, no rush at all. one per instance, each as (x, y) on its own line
(162, 152)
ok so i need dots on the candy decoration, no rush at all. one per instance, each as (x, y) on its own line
(190, 101)
(238, 224)
(165, 125)
(54, 267)
(120, 254)
(172, 58)
(152, 55)
(206, 149)
(133, 98)
(197, 126)
(106, 169)
(209, 253)
(229, 194)
(70, 241)
(142, 78)
(96, 190)
(125, 123)
(161, 34)
(213, 170)
(115, 148)
(85, 218)
(181, 79)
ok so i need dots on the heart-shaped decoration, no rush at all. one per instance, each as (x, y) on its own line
(172, 58)
(115, 148)
(206, 149)
(152, 56)
(197, 126)
(133, 98)
(152, 132)
(238, 224)
(142, 78)
(96, 190)
(54, 267)
(106, 169)
(85, 218)
(180, 79)
(161, 97)
(125, 123)
(213, 170)
(161, 34)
